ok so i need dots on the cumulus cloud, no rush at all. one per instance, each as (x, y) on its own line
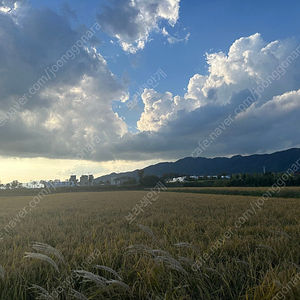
(132, 21)
(67, 83)
(268, 73)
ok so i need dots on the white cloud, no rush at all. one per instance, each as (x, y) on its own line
(70, 108)
(174, 39)
(132, 21)
(249, 63)
(162, 108)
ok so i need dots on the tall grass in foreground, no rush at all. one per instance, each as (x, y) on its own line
(153, 260)
(103, 286)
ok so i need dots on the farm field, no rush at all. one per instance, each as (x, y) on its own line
(183, 246)
(239, 188)
(285, 192)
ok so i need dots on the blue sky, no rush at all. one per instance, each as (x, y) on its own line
(212, 25)
(245, 42)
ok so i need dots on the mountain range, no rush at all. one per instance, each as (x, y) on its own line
(275, 162)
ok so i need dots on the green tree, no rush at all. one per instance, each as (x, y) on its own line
(14, 184)
(130, 181)
(141, 175)
(150, 180)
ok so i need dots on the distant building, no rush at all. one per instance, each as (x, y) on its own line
(178, 179)
(86, 180)
(113, 181)
(91, 180)
(73, 180)
(56, 184)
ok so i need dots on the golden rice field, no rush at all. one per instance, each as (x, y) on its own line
(187, 246)
(239, 188)
(275, 191)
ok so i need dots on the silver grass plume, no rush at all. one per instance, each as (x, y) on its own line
(171, 263)
(78, 295)
(120, 283)
(43, 293)
(42, 257)
(47, 249)
(2, 272)
(148, 231)
(110, 270)
(187, 245)
(89, 276)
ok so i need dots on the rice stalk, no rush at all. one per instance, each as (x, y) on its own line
(214, 271)
(266, 247)
(139, 248)
(241, 261)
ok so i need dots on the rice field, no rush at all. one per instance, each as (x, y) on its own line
(181, 246)
(240, 188)
(275, 191)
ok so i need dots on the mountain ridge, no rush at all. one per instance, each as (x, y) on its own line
(278, 161)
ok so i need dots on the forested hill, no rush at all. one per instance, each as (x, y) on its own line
(275, 162)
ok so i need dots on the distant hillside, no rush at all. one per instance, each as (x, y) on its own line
(275, 162)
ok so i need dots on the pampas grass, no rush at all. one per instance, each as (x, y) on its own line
(101, 281)
(171, 263)
(281, 233)
(43, 294)
(41, 247)
(42, 257)
(77, 295)
(110, 270)
(187, 245)
(89, 276)
(2, 272)
(148, 231)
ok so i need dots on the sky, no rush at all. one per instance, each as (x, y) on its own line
(112, 86)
